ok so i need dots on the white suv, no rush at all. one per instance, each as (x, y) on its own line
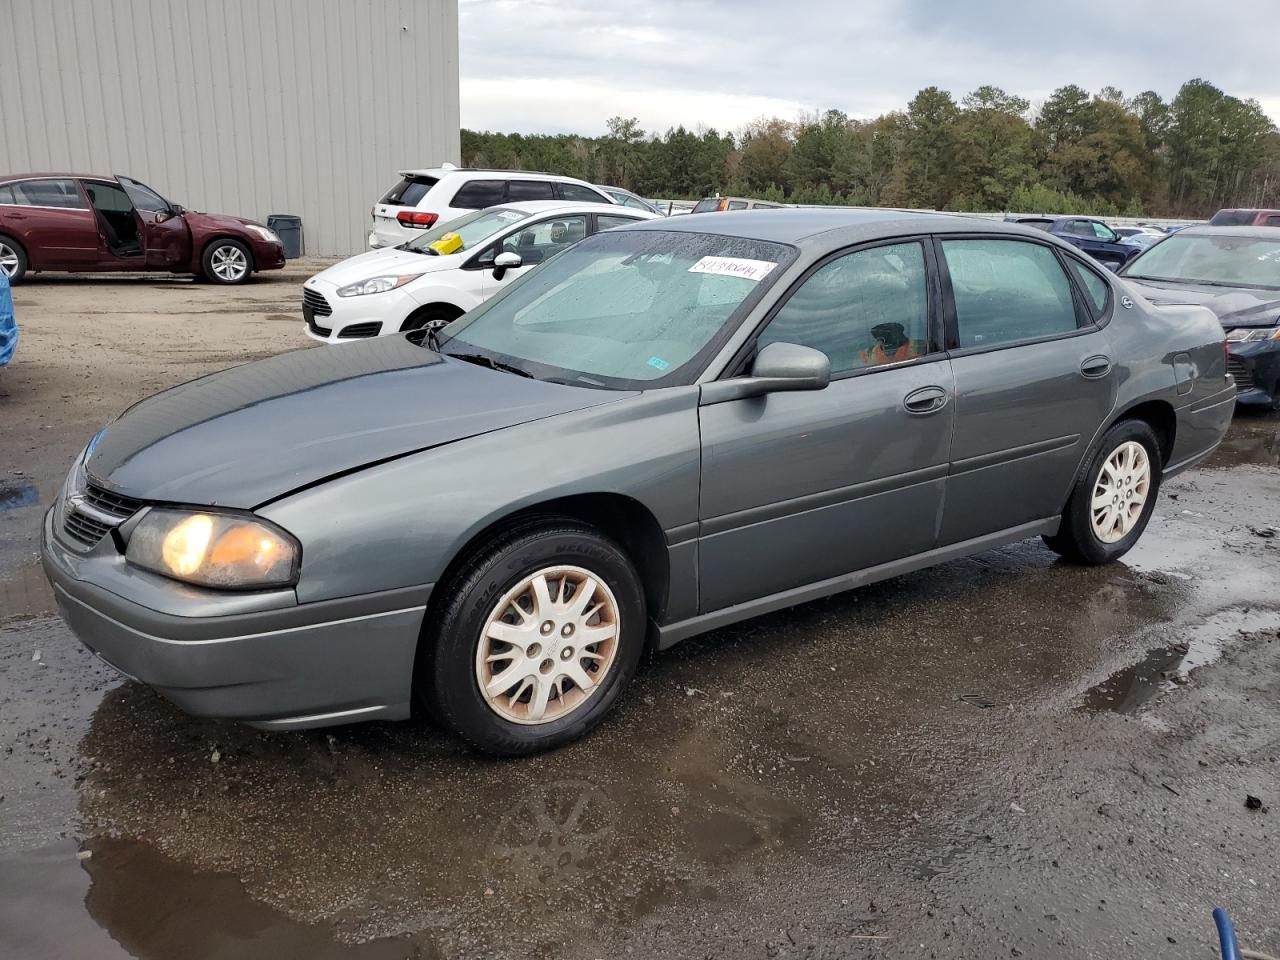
(438, 276)
(428, 198)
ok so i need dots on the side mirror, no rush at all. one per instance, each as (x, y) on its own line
(176, 209)
(505, 261)
(778, 367)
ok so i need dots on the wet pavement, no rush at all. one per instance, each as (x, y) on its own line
(1001, 756)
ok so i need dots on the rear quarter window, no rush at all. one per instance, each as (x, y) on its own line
(409, 191)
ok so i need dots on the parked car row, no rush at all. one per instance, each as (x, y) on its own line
(644, 438)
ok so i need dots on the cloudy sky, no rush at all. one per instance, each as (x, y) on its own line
(553, 66)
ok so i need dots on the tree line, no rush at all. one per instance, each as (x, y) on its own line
(1102, 153)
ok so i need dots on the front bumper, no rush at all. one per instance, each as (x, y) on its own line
(278, 666)
(357, 318)
(1256, 368)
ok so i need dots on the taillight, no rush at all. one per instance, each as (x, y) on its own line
(416, 219)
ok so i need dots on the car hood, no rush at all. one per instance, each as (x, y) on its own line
(1234, 306)
(212, 221)
(253, 433)
(377, 263)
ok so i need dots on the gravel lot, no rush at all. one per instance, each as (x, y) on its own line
(809, 784)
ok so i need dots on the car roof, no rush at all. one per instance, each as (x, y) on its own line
(441, 172)
(800, 226)
(567, 206)
(1256, 232)
(13, 177)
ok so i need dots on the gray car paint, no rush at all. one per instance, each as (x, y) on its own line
(758, 524)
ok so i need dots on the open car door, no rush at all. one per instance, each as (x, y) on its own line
(166, 239)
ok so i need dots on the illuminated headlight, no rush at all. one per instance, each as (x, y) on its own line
(375, 285)
(222, 550)
(1252, 334)
(262, 233)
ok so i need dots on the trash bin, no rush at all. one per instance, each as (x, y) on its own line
(289, 229)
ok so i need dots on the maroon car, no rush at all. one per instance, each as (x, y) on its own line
(71, 222)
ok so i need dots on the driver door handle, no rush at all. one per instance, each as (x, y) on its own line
(1095, 368)
(925, 400)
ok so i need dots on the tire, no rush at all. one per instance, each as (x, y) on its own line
(1084, 538)
(432, 318)
(460, 654)
(13, 259)
(227, 262)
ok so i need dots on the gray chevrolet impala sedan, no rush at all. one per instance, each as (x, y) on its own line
(665, 429)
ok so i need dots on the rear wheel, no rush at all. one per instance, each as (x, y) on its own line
(535, 644)
(227, 261)
(13, 259)
(1113, 498)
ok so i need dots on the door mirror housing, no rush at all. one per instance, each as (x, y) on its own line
(778, 367)
(176, 209)
(505, 261)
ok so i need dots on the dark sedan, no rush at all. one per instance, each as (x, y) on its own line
(1235, 272)
(1092, 236)
(664, 429)
(73, 222)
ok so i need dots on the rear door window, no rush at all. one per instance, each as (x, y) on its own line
(1095, 287)
(737, 204)
(409, 191)
(1273, 221)
(580, 194)
(529, 190)
(479, 194)
(47, 193)
(1007, 291)
(607, 221)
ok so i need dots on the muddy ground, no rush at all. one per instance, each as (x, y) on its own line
(1002, 756)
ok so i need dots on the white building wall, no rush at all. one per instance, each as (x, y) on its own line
(244, 107)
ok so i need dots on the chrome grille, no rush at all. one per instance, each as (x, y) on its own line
(83, 529)
(1242, 372)
(89, 517)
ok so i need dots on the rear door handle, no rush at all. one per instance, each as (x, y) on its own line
(1095, 368)
(925, 400)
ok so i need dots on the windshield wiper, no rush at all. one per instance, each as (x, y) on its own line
(1203, 283)
(490, 363)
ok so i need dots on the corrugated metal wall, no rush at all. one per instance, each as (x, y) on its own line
(246, 107)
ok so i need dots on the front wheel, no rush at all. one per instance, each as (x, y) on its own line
(1112, 500)
(227, 261)
(533, 647)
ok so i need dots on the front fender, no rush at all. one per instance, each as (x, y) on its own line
(431, 293)
(400, 523)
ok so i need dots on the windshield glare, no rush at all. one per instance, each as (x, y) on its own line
(473, 229)
(625, 309)
(1236, 261)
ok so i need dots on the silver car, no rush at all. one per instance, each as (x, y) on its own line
(667, 428)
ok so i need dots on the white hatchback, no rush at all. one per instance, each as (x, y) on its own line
(441, 274)
(430, 198)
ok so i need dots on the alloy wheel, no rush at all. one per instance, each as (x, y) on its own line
(8, 259)
(229, 263)
(1120, 492)
(547, 645)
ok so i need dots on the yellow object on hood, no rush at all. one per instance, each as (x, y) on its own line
(449, 243)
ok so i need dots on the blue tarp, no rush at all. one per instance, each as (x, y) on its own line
(8, 325)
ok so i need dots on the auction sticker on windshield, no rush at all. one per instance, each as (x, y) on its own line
(734, 267)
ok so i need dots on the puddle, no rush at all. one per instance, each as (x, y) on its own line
(16, 495)
(126, 900)
(1163, 668)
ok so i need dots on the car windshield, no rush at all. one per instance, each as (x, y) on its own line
(1221, 260)
(471, 230)
(625, 309)
(1231, 218)
(707, 206)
